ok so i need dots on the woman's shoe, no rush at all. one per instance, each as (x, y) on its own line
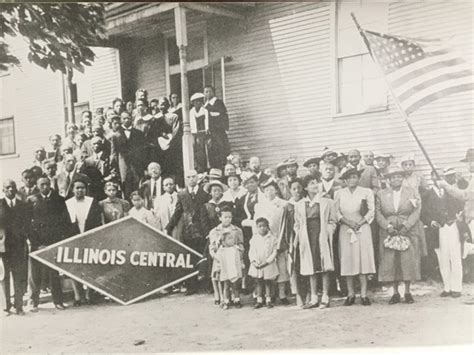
(395, 299)
(77, 303)
(408, 298)
(258, 305)
(350, 300)
(217, 302)
(310, 305)
(445, 294)
(365, 301)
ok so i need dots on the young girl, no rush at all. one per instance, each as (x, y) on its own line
(139, 211)
(274, 210)
(226, 246)
(263, 266)
(113, 207)
(235, 191)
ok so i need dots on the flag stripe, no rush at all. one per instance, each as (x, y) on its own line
(434, 88)
(414, 88)
(438, 95)
(445, 60)
(450, 65)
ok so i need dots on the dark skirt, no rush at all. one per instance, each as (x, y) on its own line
(314, 231)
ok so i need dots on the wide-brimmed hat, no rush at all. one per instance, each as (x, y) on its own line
(339, 158)
(326, 152)
(207, 187)
(314, 160)
(291, 161)
(269, 182)
(408, 157)
(215, 174)
(351, 171)
(395, 170)
(449, 171)
(197, 96)
(280, 166)
(248, 175)
(469, 155)
(383, 156)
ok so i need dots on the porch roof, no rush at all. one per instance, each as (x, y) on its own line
(144, 19)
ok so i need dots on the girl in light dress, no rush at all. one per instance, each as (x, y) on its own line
(235, 191)
(226, 247)
(263, 266)
(139, 211)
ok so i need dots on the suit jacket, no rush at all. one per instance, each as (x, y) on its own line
(369, 178)
(87, 147)
(97, 171)
(245, 209)
(93, 219)
(189, 208)
(50, 221)
(218, 117)
(145, 189)
(65, 187)
(14, 224)
(126, 154)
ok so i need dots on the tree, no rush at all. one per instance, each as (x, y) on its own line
(58, 34)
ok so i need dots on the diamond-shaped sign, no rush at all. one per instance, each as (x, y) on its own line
(126, 260)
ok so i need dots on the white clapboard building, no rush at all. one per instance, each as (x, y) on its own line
(296, 77)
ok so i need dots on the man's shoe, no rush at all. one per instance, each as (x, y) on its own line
(34, 309)
(190, 292)
(258, 305)
(395, 299)
(20, 312)
(350, 300)
(365, 301)
(445, 294)
(409, 298)
(310, 305)
(284, 301)
(60, 306)
(455, 294)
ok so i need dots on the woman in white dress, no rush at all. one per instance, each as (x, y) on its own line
(355, 210)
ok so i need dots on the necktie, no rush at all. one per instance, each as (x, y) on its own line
(153, 189)
(11, 203)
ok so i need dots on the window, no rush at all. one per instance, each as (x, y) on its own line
(7, 124)
(360, 85)
(7, 136)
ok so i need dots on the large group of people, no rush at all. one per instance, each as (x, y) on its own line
(338, 226)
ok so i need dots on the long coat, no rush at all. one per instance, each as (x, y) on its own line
(50, 221)
(328, 220)
(399, 265)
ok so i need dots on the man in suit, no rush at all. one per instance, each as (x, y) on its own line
(254, 166)
(67, 177)
(127, 148)
(152, 188)
(98, 170)
(97, 131)
(368, 178)
(13, 215)
(50, 168)
(188, 207)
(50, 224)
(29, 185)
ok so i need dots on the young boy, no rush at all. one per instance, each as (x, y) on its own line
(29, 182)
(140, 212)
(226, 246)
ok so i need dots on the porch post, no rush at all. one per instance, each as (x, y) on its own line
(182, 42)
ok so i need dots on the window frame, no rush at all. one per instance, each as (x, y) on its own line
(14, 153)
(334, 70)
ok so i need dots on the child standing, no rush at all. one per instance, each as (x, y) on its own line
(139, 211)
(263, 266)
(226, 246)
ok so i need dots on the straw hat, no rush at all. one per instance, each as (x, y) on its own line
(197, 96)
(350, 172)
(314, 160)
(207, 187)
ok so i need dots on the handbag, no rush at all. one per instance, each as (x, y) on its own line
(397, 242)
(364, 207)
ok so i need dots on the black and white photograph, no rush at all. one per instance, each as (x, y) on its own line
(237, 177)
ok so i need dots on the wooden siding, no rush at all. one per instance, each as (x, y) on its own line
(280, 87)
(38, 111)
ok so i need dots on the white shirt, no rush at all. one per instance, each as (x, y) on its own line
(78, 211)
(10, 203)
(192, 119)
(396, 198)
(127, 131)
(97, 156)
(327, 184)
(193, 189)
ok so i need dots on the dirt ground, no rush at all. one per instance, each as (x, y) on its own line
(178, 323)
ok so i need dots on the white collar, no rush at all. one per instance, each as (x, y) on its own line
(12, 201)
(48, 195)
(212, 101)
(193, 189)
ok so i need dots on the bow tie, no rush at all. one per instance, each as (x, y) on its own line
(127, 129)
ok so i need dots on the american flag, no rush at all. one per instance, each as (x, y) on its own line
(418, 70)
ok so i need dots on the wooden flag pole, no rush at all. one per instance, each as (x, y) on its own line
(397, 102)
